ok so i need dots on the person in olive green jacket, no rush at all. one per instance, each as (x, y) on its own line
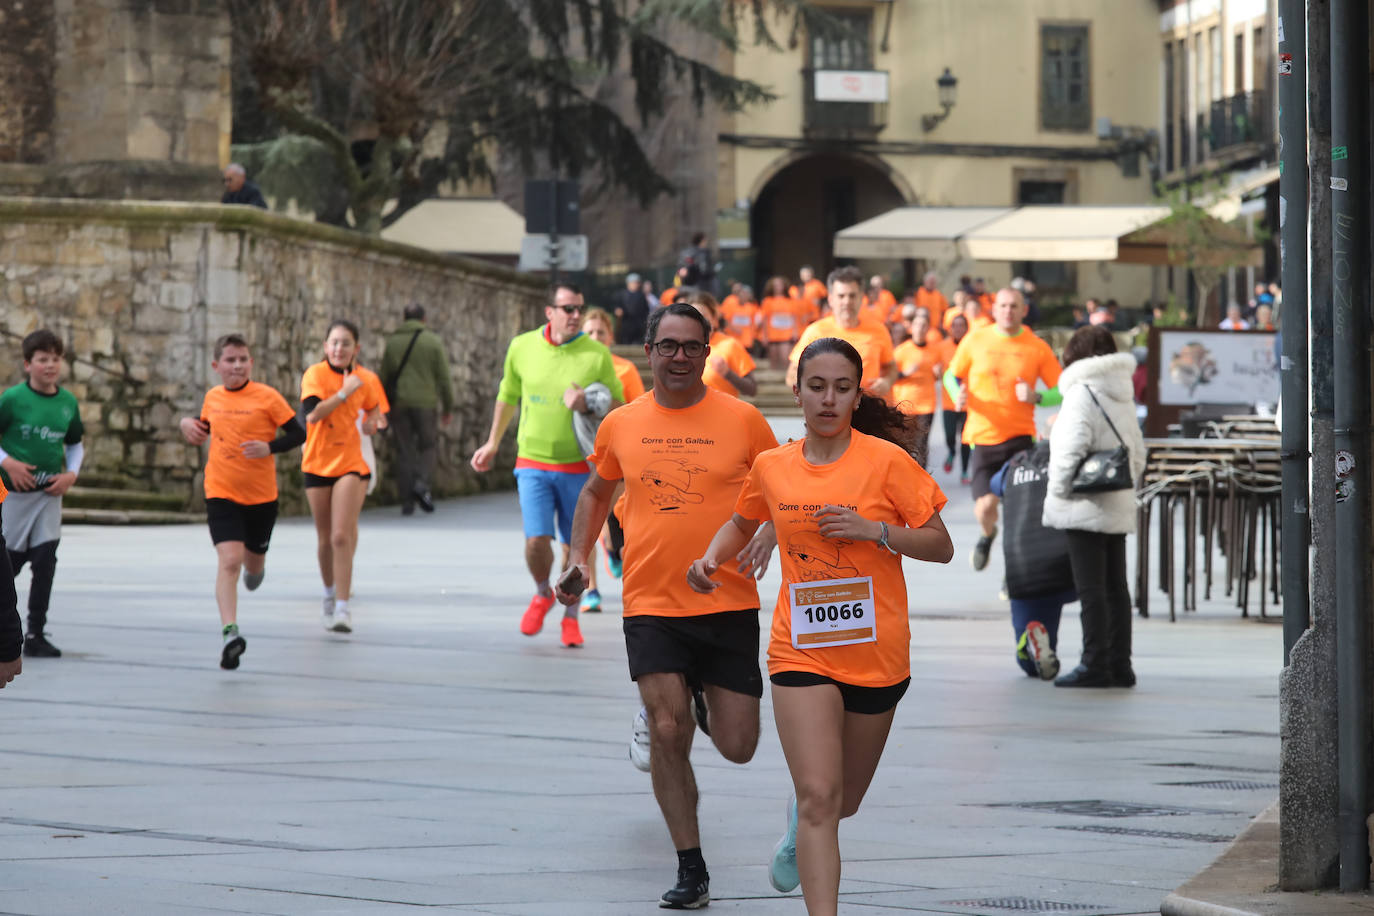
(417, 384)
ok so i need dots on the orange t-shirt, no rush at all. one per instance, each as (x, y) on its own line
(668, 296)
(783, 318)
(630, 379)
(933, 301)
(813, 292)
(871, 339)
(914, 393)
(725, 347)
(881, 309)
(683, 470)
(252, 413)
(879, 481)
(333, 446)
(741, 320)
(990, 363)
(947, 348)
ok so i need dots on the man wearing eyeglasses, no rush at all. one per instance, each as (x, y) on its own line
(546, 373)
(683, 453)
(239, 190)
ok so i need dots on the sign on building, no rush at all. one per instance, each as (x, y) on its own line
(851, 86)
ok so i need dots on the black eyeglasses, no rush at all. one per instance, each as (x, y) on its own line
(690, 348)
(570, 309)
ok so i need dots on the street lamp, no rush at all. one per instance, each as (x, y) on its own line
(947, 86)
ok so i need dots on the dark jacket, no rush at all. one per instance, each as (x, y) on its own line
(635, 318)
(248, 194)
(1037, 558)
(425, 380)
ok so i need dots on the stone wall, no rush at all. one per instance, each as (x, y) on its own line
(27, 56)
(141, 290)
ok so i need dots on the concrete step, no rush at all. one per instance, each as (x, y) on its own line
(75, 516)
(94, 497)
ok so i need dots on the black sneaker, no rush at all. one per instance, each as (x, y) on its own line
(407, 508)
(36, 645)
(692, 891)
(699, 710)
(424, 499)
(981, 550)
(234, 644)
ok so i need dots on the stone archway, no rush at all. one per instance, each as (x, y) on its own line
(800, 202)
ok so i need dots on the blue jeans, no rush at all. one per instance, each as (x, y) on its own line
(546, 495)
(1046, 609)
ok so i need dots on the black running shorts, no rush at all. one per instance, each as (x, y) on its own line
(720, 649)
(231, 521)
(315, 480)
(870, 701)
(988, 460)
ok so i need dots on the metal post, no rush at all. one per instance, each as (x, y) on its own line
(553, 231)
(1293, 317)
(1350, 313)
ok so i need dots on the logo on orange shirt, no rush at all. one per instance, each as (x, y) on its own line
(819, 558)
(669, 481)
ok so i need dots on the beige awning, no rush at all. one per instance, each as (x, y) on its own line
(1058, 233)
(1225, 204)
(473, 226)
(913, 232)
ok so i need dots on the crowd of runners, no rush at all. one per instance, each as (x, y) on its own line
(688, 492)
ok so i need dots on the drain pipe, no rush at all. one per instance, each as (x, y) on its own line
(1350, 288)
(1293, 318)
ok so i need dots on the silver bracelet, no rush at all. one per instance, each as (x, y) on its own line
(882, 539)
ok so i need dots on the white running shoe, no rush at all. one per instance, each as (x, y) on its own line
(782, 870)
(639, 741)
(1038, 648)
(327, 616)
(343, 623)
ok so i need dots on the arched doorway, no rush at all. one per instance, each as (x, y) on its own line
(800, 207)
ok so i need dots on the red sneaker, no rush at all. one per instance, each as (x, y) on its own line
(572, 633)
(533, 621)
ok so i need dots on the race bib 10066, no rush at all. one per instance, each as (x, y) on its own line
(833, 612)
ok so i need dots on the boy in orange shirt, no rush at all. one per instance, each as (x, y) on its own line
(247, 424)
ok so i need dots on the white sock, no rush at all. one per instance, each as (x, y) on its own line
(341, 606)
(329, 591)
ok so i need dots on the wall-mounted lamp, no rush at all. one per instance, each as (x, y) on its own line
(948, 86)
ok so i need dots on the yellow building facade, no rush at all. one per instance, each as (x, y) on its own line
(1053, 102)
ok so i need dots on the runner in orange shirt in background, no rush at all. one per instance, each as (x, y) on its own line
(741, 317)
(869, 338)
(950, 414)
(878, 302)
(811, 290)
(683, 453)
(241, 420)
(729, 367)
(919, 365)
(596, 324)
(847, 502)
(929, 297)
(336, 475)
(993, 376)
(781, 319)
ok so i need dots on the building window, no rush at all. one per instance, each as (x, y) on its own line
(1065, 88)
(851, 51)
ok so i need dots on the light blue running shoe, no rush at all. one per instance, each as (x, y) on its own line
(782, 871)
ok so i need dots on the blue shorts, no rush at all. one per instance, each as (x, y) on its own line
(544, 494)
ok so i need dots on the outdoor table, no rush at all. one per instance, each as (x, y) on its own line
(1226, 488)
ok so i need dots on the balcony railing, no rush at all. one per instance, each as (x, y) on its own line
(1240, 119)
(840, 120)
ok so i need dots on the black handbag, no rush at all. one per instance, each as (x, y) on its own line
(1107, 470)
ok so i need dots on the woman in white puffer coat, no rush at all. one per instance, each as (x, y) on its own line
(1096, 523)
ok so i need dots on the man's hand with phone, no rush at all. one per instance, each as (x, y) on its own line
(571, 584)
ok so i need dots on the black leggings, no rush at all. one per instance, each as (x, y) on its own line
(954, 425)
(43, 559)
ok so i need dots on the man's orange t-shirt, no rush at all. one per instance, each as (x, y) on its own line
(683, 470)
(914, 393)
(333, 446)
(871, 339)
(783, 318)
(813, 292)
(251, 413)
(630, 379)
(880, 310)
(880, 482)
(933, 301)
(725, 347)
(668, 296)
(990, 363)
(741, 320)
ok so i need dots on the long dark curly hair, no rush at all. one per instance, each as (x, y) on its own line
(873, 416)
